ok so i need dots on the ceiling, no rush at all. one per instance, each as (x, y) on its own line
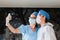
(30, 3)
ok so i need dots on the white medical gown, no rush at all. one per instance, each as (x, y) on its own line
(46, 32)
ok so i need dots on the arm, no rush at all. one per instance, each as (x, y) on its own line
(11, 28)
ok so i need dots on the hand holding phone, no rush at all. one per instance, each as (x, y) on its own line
(8, 18)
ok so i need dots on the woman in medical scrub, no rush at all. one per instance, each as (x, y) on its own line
(46, 31)
(29, 32)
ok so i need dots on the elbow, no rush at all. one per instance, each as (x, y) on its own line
(14, 32)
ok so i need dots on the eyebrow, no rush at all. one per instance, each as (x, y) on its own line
(33, 17)
(41, 15)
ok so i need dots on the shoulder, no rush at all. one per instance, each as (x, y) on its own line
(23, 26)
(49, 25)
(49, 28)
(26, 25)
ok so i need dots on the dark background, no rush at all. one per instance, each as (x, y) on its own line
(20, 16)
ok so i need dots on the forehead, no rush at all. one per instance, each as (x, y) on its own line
(40, 15)
(32, 15)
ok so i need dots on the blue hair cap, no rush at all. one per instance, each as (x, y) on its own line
(35, 13)
(44, 13)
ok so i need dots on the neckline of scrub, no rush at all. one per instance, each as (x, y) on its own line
(31, 29)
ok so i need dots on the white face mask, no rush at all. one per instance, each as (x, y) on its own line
(32, 21)
(38, 19)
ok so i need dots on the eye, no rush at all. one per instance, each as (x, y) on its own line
(40, 15)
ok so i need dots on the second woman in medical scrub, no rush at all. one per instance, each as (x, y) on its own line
(29, 32)
(46, 31)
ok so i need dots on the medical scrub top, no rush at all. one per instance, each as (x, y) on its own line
(27, 33)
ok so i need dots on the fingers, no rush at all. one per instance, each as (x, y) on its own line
(9, 16)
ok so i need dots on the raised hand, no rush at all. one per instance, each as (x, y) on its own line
(8, 18)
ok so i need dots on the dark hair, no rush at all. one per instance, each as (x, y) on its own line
(46, 20)
(38, 25)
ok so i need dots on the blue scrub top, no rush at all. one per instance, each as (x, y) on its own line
(27, 33)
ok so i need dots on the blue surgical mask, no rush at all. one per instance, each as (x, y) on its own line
(38, 19)
(32, 21)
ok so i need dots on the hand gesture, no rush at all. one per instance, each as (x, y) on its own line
(8, 18)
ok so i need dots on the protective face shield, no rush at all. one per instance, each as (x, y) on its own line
(32, 21)
(38, 19)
